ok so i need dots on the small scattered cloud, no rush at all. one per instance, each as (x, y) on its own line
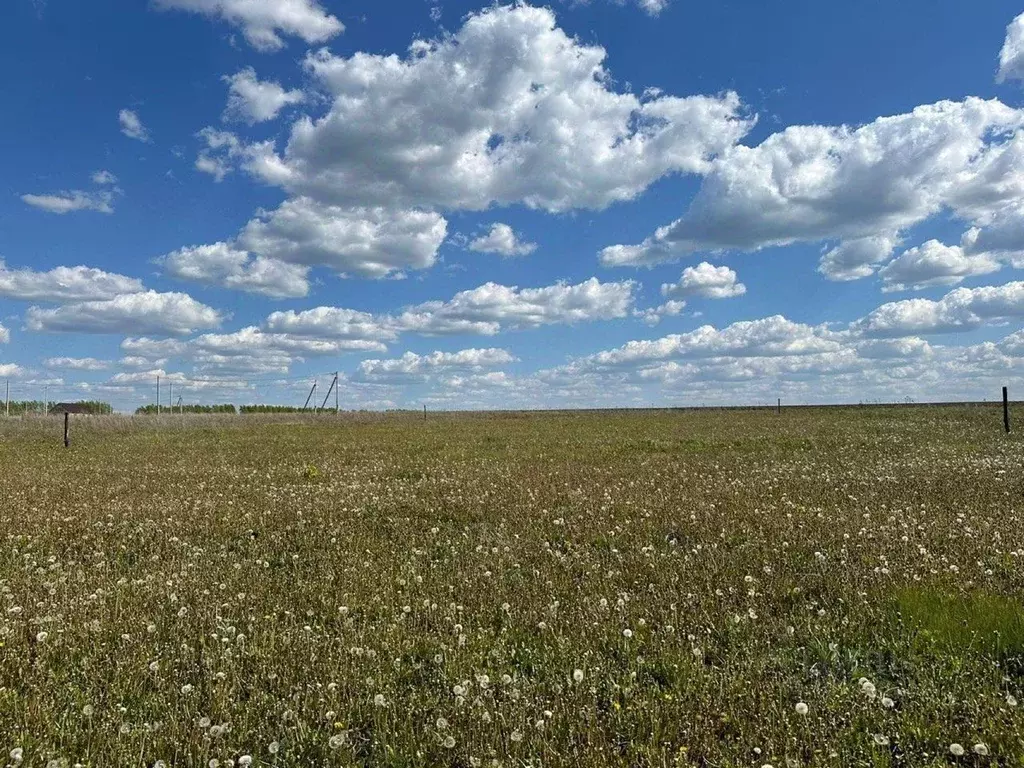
(69, 201)
(502, 240)
(264, 21)
(707, 281)
(252, 101)
(76, 364)
(131, 125)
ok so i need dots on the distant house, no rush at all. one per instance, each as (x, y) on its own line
(60, 408)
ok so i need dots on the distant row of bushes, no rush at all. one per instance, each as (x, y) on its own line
(151, 409)
(23, 407)
(271, 409)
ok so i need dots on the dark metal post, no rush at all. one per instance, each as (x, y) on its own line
(424, 411)
(779, 411)
(67, 438)
(1006, 410)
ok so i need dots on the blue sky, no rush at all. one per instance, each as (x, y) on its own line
(478, 206)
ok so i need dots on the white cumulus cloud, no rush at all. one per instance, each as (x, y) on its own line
(64, 284)
(412, 365)
(251, 100)
(931, 264)
(705, 280)
(502, 240)
(959, 310)
(367, 242)
(857, 258)
(1011, 57)
(76, 364)
(812, 183)
(330, 323)
(509, 109)
(768, 337)
(491, 308)
(223, 265)
(264, 21)
(149, 312)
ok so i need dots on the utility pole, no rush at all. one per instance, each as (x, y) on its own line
(7, 400)
(46, 388)
(310, 397)
(170, 395)
(337, 400)
(157, 395)
(327, 397)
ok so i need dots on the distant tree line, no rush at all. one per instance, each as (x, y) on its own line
(151, 409)
(271, 409)
(22, 407)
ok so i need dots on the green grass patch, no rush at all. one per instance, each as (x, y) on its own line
(973, 623)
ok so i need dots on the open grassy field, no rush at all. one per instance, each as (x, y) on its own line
(825, 587)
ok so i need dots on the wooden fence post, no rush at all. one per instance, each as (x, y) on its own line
(67, 437)
(1006, 410)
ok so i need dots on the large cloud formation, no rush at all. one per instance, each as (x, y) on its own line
(860, 186)
(507, 110)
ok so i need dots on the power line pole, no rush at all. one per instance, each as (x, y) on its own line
(46, 388)
(337, 386)
(157, 395)
(170, 395)
(310, 397)
(7, 400)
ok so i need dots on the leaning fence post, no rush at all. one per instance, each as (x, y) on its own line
(1006, 410)
(67, 438)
